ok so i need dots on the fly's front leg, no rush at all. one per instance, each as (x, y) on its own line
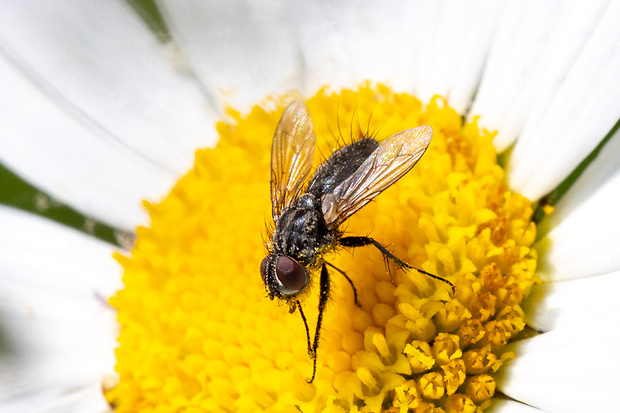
(323, 297)
(353, 242)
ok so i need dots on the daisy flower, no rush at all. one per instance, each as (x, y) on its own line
(104, 109)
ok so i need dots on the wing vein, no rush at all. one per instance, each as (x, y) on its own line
(386, 165)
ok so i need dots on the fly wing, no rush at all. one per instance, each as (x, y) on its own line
(292, 152)
(386, 165)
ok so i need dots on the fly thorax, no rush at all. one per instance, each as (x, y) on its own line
(300, 230)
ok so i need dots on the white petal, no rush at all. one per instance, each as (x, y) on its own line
(348, 42)
(601, 170)
(575, 25)
(585, 241)
(521, 41)
(567, 370)
(59, 333)
(65, 384)
(412, 46)
(579, 237)
(269, 48)
(305, 46)
(101, 63)
(50, 272)
(509, 406)
(77, 165)
(583, 110)
(242, 51)
(561, 304)
(454, 47)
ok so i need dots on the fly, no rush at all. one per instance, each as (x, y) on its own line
(308, 212)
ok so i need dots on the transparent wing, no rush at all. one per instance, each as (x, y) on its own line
(292, 152)
(386, 165)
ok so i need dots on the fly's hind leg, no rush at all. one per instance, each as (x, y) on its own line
(352, 242)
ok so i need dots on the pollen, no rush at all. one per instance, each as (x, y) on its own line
(198, 332)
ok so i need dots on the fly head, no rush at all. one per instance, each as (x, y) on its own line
(283, 276)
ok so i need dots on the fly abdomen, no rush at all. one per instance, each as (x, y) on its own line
(340, 165)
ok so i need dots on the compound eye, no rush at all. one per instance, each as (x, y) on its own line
(291, 274)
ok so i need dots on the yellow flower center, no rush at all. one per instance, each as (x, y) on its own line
(198, 333)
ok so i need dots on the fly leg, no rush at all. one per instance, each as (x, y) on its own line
(349, 280)
(323, 297)
(303, 317)
(352, 242)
